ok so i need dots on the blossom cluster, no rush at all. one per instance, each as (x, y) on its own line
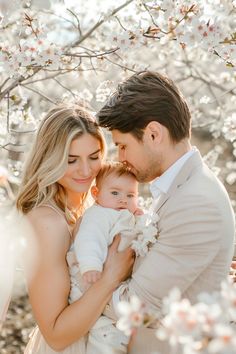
(133, 314)
(31, 50)
(146, 229)
(205, 327)
(193, 24)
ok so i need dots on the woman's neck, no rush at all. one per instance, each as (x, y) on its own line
(74, 200)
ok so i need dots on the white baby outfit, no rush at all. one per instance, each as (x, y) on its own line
(98, 227)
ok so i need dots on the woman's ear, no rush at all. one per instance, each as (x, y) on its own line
(94, 192)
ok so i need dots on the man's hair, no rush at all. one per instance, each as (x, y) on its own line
(112, 168)
(145, 97)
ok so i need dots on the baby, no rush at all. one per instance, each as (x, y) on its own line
(115, 211)
(116, 203)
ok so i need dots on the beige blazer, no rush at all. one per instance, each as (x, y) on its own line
(194, 248)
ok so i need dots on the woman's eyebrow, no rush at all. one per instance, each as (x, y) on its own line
(93, 153)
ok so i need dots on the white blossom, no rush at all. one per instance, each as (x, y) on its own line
(229, 128)
(104, 90)
(205, 99)
(132, 315)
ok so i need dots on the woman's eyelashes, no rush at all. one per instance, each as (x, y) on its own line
(91, 158)
(72, 161)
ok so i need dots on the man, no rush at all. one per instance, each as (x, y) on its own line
(150, 124)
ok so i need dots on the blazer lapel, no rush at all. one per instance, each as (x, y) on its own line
(184, 174)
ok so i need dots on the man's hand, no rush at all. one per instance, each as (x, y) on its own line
(91, 277)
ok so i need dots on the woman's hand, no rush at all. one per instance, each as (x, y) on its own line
(118, 265)
(233, 271)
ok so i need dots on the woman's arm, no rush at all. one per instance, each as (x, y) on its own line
(49, 285)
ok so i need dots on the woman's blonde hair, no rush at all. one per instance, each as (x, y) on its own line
(48, 159)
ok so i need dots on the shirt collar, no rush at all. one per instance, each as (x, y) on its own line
(162, 184)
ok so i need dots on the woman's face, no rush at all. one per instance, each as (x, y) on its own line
(84, 163)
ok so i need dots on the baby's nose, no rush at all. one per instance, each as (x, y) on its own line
(123, 201)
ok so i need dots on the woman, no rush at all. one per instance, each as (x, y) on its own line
(65, 159)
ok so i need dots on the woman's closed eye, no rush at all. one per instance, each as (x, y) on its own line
(130, 195)
(94, 158)
(72, 161)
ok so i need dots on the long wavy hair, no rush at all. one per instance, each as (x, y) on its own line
(48, 159)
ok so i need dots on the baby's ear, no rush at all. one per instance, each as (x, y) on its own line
(94, 192)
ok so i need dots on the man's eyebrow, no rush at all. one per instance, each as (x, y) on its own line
(93, 153)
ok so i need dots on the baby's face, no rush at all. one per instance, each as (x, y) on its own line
(118, 193)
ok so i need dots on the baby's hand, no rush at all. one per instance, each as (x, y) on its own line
(91, 277)
(138, 212)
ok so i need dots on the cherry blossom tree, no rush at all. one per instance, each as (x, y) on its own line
(72, 50)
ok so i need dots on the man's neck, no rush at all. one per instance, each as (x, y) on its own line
(176, 151)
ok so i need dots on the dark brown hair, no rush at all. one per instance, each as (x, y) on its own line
(112, 167)
(145, 97)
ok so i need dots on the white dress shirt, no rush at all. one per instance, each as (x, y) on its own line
(162, 184)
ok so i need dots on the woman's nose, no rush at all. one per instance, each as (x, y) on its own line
(85, 170)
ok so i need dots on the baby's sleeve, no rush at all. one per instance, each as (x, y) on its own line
(91, 241)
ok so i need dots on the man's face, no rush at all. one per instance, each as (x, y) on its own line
(143, 160)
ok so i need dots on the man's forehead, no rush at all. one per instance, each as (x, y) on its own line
(119, 137)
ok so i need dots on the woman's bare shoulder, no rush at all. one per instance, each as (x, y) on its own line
(46, 221)
(44, 214)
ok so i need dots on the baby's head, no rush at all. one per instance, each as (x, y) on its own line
(116, 187)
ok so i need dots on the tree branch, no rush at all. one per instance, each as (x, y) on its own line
(39, 93)
(98, 24)
(71, 45)
(16, 83)
(78, 55)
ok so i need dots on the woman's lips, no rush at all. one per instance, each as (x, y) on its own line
(82, 180)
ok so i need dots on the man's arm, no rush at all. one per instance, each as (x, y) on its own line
(187, 244)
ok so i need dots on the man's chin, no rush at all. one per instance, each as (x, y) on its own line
(143, 178)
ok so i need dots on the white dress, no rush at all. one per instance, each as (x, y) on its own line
(37, 344)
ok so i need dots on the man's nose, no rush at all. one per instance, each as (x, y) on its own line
(121, 156)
